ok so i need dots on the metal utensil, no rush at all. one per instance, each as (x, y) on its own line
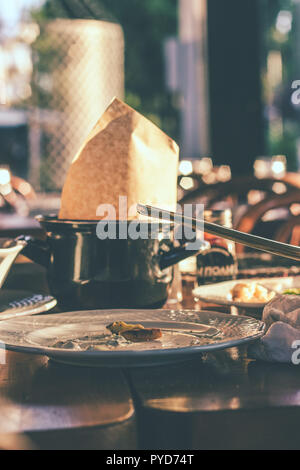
(252, 241)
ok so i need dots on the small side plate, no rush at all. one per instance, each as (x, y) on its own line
(17, 303)
(220, 292)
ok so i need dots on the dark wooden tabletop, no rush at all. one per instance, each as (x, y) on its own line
(219, 401)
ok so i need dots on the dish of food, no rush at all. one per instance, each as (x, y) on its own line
(251, 292)
(83, 338)
(246, 293)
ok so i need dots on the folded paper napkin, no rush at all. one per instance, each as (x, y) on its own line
(124, 160)
(282, 338)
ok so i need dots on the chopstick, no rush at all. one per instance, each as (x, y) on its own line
(253, 241)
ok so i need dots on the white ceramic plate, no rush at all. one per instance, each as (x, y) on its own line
(18, 303)
(220, 293)
(65, 337)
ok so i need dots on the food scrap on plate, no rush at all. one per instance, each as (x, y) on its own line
(135, 333)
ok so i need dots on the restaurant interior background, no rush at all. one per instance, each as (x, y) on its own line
(218, 77)
(221, 78)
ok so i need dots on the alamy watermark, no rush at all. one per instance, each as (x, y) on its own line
(296, 353)
(128, 227)
(295, 98)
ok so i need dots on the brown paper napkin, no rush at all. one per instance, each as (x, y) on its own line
(124, 155)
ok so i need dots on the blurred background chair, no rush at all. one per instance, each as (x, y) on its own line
(289, 232)
(239, 194)
(267, 207)
(277, 209)
(235, 191)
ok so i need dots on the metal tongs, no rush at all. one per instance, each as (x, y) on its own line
(247, 239)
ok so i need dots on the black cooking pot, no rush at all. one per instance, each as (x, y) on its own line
(85, 272)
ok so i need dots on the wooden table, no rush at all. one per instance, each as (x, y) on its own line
(219, 401)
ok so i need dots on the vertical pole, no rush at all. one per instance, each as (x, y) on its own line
(236, 109)
(193, 78)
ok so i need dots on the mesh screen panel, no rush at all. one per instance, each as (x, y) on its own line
(78, 69)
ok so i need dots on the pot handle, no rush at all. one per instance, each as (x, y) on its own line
(169, 258)
(9, 250)
(35, 249)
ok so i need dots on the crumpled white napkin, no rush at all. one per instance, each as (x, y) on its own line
(281, 343)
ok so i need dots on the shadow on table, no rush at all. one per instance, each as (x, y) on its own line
(223, 401)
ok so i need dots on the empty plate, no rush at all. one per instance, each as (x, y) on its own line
(81, 338)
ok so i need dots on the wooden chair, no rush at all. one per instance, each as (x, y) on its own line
(235, 190)
(251, 217)
(289, 232)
